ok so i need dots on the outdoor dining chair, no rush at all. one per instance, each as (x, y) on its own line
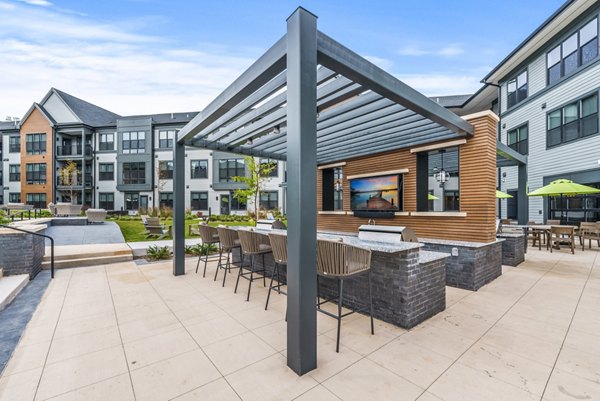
(409, 235)
(229, 241)
(253, 244)
(279, 247)
(278, 225)
(589, 231)
(534, 235)
(562, 235)
(208, 235)
(339, 261)
(553, 222)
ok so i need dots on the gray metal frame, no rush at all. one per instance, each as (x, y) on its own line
(309, 100)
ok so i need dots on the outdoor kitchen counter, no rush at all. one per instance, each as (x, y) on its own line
(408, 283)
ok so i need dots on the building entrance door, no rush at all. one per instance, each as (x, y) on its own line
(225, 204)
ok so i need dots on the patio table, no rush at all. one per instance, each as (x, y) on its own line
(545, 229)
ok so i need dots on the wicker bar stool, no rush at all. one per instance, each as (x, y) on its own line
(229, 241)
(209, 235)
(341, 262)
(279, 246)
(253, 244)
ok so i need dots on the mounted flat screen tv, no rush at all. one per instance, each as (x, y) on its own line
(381, 193)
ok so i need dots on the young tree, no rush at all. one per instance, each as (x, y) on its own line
(255, 179)
(68, 175)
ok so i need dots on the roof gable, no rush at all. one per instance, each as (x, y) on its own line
(84, 112)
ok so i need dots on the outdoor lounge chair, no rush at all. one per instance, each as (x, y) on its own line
(253, 244)
(408, 235)
(209, 235)
(589, 231)
(95, 215)
(67, 209)
(157, 231)
(145, 218)
(340, 262)
(562, 235)
(279, 247)
(229, 241)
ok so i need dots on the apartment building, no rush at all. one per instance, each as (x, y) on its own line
(123, 163)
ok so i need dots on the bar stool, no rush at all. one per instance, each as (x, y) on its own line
(279, 247)
(209, 235)
(341, 262)
(229, 241)
(252, 244)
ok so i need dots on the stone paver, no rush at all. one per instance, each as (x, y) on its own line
(127, 332)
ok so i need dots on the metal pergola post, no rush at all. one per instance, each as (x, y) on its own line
(302, 180)
(522, 198)
(178, 208)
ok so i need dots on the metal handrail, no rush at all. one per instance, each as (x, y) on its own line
(39, 235)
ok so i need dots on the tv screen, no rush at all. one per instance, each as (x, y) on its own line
(376, 193)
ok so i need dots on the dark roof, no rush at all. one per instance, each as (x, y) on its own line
(451, 100)
(8, 125)
(88, 113)
(168, 118)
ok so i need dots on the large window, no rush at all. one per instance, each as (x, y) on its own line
(199, 200)
(165, 139)
(166, 199)
(106, 172)
(229, 168)
(14, 144)
(35, 144)
(517, 139)
(35, 173)
(107, 141)
(443, 180)
(517, 89)
(134, 142)
(199, 168)
(134, 173)
(38, 201)
(575, 51)
(14, 197)
(269, 200)
(271, 165)
(132, 200)
(165, 170)
(332, 188)
(237, 204)
(575, 120)
(14, 172)
(106, 200)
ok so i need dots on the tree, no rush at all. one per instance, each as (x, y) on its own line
(68, 175)
(255, 179)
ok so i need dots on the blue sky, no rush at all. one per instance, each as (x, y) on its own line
(148, 56)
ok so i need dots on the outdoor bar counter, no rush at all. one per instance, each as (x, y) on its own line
(408, 283)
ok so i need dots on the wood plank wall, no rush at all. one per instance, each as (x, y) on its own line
(477, 190)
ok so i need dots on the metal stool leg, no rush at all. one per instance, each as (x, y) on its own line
(264, 271)
(239, 275)
(198, 264)
(271, 286)
(371, 304)
(339, 316)
(251, 276)
(205, 263)
(227, 266)
(219, 265)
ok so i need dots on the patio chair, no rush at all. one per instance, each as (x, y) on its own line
(589, 231)
(229, 241)
(278, 225)
(534, 235)
(408, 235)
(553, 222)
(209, 235)
(194, 229)
(562, 235)
(253, 244)
(95, 215)
(159, 232)
(279, 246)
(145, 218)
(340, 261)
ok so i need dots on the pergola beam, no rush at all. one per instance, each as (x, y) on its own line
(510, 154)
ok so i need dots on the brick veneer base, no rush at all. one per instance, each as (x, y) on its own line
(21, 253)
(513, 248)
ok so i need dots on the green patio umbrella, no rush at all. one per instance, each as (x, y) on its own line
(563, 187)
(432, 197)
(502, 195)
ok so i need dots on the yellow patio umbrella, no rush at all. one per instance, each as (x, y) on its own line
(565, 187)
(502, 195)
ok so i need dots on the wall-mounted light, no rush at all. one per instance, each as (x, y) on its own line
(543, 106)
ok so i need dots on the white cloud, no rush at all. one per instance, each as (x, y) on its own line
(42, 3)
(451, 50)
(439, 84)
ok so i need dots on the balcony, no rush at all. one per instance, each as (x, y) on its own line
(63, 184)
(74, 151)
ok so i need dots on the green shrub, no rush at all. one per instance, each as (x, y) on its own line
(201, 249)
(3, 218)
(155, 252)
(165, 212)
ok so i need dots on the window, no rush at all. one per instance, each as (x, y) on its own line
(38, 201)
(269, 200)
(35, 144)
(517, 89)
(134, 173)
(237, 204)
(165, 170)
(575, 51)
(132, 200)
(107, 141)
(229, 168)
(166, 199)
(165, 139)
(443, 180)
(575, 120)
(199, 200)
(35, 173)
(338, 190)
(14, 144)
(271, 164)
(199, 168)
(134, 142)
(106, 172)
(14, 172)
(106, 200)
(517, 139)
(332, 189)
(14, 197)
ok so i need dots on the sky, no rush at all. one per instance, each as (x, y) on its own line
(152, 56)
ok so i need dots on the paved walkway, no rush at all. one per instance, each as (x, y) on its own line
(128, 332)
(106, 233)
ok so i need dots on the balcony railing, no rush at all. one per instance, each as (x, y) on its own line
(74, 150)
(77, 183)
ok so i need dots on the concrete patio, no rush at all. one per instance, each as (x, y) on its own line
(129, 332)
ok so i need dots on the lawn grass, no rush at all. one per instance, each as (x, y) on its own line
(133, 230)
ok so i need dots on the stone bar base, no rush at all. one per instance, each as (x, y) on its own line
(21, 253)
(513, 248)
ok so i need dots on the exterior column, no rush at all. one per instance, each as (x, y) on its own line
(302, 180)
(178, 208)
(522, 198)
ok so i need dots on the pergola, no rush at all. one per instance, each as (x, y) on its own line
(507, 157)
(308, 100)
